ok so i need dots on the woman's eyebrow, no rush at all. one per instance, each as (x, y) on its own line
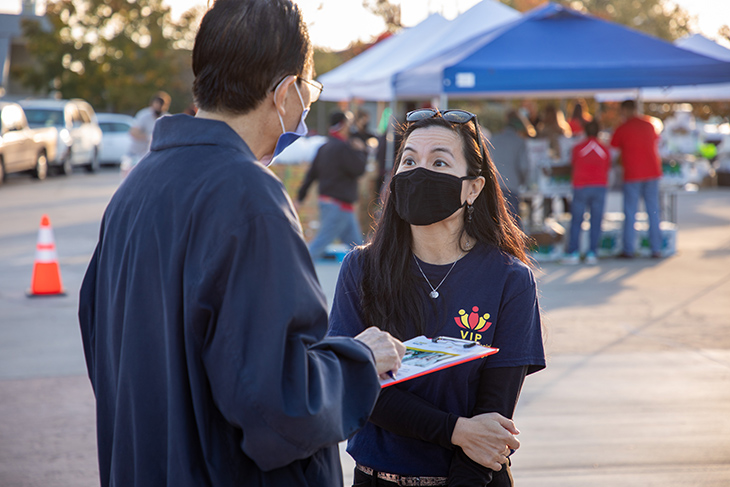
(408, 148)
(442, 149)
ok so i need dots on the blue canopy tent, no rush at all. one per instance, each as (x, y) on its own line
(553, 50)
(709, 92)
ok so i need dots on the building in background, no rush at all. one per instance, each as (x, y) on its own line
(13, 50)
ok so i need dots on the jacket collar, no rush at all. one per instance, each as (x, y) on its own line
(183, 130)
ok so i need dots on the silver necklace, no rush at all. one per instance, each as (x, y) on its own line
(434, 290)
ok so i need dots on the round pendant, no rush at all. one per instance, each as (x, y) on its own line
(434, 294)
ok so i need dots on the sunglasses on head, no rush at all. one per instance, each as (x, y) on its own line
(452, 116)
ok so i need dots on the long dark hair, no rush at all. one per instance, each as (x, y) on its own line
(389, 290)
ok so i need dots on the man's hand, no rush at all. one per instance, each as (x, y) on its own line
(487, 438)
(358, 144)
(136, 133)
(387, 351)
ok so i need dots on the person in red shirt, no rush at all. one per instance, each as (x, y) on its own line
(591, 161)
(637, 140)
(579, 118)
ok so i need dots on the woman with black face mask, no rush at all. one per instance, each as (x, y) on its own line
(446, 259)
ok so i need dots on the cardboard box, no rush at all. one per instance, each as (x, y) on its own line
(547, 241)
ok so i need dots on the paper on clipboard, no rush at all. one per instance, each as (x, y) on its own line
(425, 356)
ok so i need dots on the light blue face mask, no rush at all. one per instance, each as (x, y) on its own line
(287, 138)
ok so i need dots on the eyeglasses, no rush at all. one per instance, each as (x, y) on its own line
(315, 88)
(453, 116)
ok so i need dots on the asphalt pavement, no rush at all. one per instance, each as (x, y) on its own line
(636, 393)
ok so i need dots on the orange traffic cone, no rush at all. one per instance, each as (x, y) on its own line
(46, 280)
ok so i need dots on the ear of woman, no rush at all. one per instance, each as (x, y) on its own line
(473, 188)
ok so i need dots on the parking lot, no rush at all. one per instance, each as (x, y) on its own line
(636, 393)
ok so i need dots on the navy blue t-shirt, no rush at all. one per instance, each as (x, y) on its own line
(489, 297)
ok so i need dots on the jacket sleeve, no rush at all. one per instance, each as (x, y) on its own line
(308, 180)
(271, 373)
(87, 310)
(354, 161)
(87, 296)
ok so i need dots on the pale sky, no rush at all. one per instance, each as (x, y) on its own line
(336, 23)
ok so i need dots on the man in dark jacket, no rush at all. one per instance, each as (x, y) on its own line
(201, 316)
(338, 165)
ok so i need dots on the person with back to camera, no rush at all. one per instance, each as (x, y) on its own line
(553, 127)
(637, 140)
(360, 129)
(579, 118)
(509, 153)
(591, 162)
(338, 165)
(446, 259)
(202, 320)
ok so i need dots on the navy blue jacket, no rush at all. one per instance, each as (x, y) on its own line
(203, 322)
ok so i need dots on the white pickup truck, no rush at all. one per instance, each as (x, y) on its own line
(23, 148)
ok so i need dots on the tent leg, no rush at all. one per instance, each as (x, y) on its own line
(390, 141)
(444, 103)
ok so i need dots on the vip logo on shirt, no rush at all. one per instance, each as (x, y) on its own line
(472, 323)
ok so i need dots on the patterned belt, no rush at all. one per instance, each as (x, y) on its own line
(402, 479)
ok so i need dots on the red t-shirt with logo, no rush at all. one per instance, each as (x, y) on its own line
(591, 162)
(637, 140)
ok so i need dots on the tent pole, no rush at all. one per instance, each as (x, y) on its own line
(444, 103)
(322, 117)
(639, 102)
(390, 139)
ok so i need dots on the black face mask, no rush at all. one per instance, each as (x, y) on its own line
(424, 197)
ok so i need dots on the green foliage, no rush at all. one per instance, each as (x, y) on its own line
(113, 53)
(724, 31)
(389, 12)
(654, 17)
(326, 60)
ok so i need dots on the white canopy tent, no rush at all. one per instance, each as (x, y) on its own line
(344, 82)
(370, 75)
